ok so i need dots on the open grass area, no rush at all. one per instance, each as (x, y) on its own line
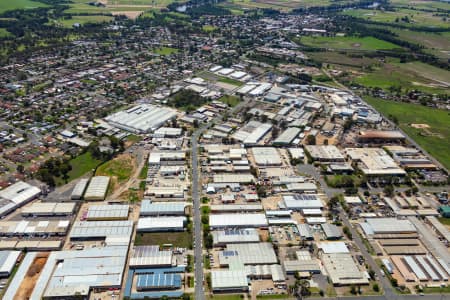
(435, 139)
(230, 81)
(281, 5)
(412, 75)
(68, 23)
(120, 167)
(342, 59)
(402, 16)
(437, 290)
(445, 221)
(4, 33)
(80, 165)
(225, 297)
(6, 5)
(209, 28)
(230, 100)
(177, 239)
(348, 42)
(165, 50)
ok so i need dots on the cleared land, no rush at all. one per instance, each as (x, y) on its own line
(348, 42)
(412, 75)
(120, 167)
(177, 239)
(230, 100)
(6, 5)
(435, 139)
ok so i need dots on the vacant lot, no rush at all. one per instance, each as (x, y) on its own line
(230, 100)
(348, 42)
(435, 139)
(177, 239)
(120, 167)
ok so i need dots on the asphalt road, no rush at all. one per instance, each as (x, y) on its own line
(198, 234)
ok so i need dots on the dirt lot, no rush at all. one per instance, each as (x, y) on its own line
(27, 286)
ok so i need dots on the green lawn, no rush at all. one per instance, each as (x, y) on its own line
(230, 100)
(229, 81)
(81, 165)
(445, 221)
(437, 290)
(4, 33)
(348, 42)
(414, 17)
(68, 23)
(6, 5)
(225, 297)
(177, 239)
(165, 51)
(209, 28)
(435, 140)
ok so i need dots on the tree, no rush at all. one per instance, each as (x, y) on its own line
(302, 288)
(389, 190)
(376, 287)
(20, 169)
(310, 140)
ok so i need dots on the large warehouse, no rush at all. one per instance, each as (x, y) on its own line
(230, 236)
(101, 230)
(387, 226)
(17, 195)
(97, 188)
(237, 220)
(49, 209)
(248, 254)
(252, 132)
(143, 118)
(150, 257)
(266, 156)
(374, 162)
(8, 260)
(325, 153)
(161, 224)
(34, 228)
(108, 212)
(229, 280)
(78, 190)
(70, 273)
(149, 208)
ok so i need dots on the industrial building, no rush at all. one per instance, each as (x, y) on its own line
(250, 220)
(342, 269)
(97, 188)
(67, 274)
(374, 162)
(252, 133)
(234, 178)
(142, 118)
(48, 209)
(324, 153)
(149, 208)
(150, 257)
(168, 132)
(305, 231)
(229, 281)
(161, 224)
(105, 230)
(79, 189)
(8, 260)
(107, 212)
(266, 156)
(248, 254)
(34, 228)
(296, 153)
(331, 231)
(380, 136)
(17, 195)
(230, 236)
(301, 201)
(387, 226)
(172, 192)
(287, 137)
(303, 263)
(159, 281)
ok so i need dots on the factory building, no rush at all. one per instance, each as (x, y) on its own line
(374, 162)
(150, 257)
(79, 189)
(266, 156)
(248, 254)
(250, 220)
(96, 190)
(229, 281)
(161, 224)
(8, 260)
(287, 137)
(50, 209)
(142, 118)
(149, 208)
(231, 236)
(324, 153)
(252, 133)
(17, 195)
(107, 212)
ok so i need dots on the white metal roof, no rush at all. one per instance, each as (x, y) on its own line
(237, 220)
(160, 223)
(248, 254)
(97, 188)
(227, 279)
(108, 211)
(390, 225)
(266, 156)
(8, 260)
(333, 247)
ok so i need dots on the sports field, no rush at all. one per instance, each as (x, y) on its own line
(435, 138)
(348, 42)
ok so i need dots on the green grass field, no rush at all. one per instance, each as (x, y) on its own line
(120, 167)
(230, 100)
(412, 75)
(177, 239)
(416, 17)
(6, 5)
(4, 33)
(445, 221)
(230, 81)
(435, 139)
(68, 23)
(348, 42)
(165, 51)
(281, 5)
(81, 165)
(209, 28)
